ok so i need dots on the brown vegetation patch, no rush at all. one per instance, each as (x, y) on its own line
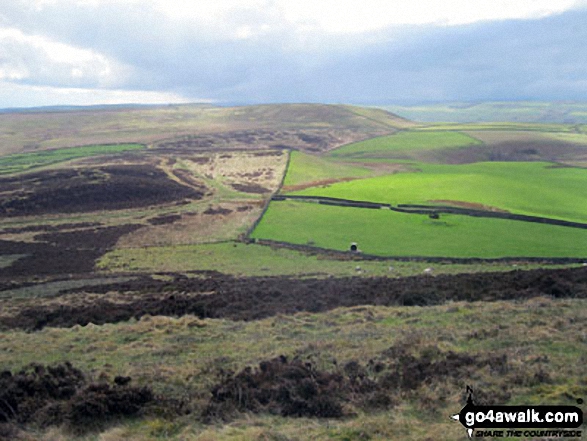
(282, 388)
(514, 150)
(298, 388)
(268, 153)
(250, 188)
(257, 297)
(321, 183)
(217, 211)
(89, 189)
(62, 252)
(315, 140)
(164, 219)
(220, 222)
(53, 395)
(188, 178)
(471, 205)
(49, 228)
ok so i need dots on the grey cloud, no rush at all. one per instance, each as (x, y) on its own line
(514, 59)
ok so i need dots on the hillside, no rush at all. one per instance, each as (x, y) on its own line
(514, 111)
(40, 130)
(186, 272)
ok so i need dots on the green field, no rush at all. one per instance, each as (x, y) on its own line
(388, 233)
(403, 145)
(257, 260)
(510, 126)
(305, 168)
(531, 188)
(25, 161)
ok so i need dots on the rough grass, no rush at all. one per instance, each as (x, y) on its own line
(256, 260)
(534, 188)
(20, 132)
(388, 233)
(542, 340)
(22, 162)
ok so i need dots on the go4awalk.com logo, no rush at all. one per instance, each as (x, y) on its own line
(518, 421)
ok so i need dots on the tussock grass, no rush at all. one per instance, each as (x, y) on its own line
(541, 338)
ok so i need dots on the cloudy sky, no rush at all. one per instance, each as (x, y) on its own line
(260, 51)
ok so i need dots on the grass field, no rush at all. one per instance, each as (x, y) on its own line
(304, 169)
(404, 145)
(22, 162)
(257, 260)
(511, 186)
(490, 126)
(387, 233)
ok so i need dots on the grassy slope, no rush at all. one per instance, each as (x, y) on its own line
(510, 126)
(21, 132)
(527, 188)
(181, 356)
(304, 169)
(257, 260)
(25, 161)
(403, 145)
(538, 112)
(387, 233)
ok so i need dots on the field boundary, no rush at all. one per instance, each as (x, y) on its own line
(359, 256)
(430, 210)
(246, 235)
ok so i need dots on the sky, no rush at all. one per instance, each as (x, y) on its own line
(82, 52)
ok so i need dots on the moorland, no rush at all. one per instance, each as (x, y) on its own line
(186, 272)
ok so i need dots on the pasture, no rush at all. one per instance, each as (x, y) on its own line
(262, 260)
(387, 233)
(532, 188)
(404, 145)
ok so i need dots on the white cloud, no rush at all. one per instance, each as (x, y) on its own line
(19, 95)
(276, 50)
(238, 19)
(35, 58)
(350, 16)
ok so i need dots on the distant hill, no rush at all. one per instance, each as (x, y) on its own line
(520, 111)
(23, 130)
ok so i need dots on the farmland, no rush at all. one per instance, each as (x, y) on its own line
(177, 293)
(484, 171)
(387, 233)
(404, 145)
(509, 186)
